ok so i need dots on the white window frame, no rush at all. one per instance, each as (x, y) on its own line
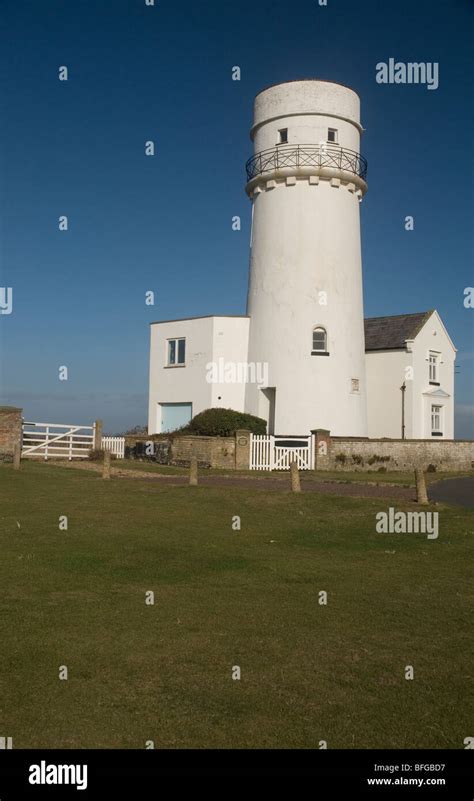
(176, 363)
(433, 367)
(355, 389)
(436, 415)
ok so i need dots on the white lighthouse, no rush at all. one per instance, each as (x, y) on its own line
(306, 180)
(298, 358)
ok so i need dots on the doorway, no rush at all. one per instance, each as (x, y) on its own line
(267, 407)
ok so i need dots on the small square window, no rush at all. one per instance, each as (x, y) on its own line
(354, 385)
(283, 136)
(332, 135)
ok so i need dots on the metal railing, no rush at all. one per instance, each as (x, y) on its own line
(275, 158)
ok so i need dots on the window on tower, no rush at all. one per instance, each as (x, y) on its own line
(332, 135)
(320, 341)
(283, 136)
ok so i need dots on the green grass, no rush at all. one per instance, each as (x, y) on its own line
(224, 598)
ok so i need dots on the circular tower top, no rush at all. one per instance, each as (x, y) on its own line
(306, 97)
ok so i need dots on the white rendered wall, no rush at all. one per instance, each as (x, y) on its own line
(230, 346)
(433, 337)
(207, 339)
(386, 371)
(306, 241)
(179, 384)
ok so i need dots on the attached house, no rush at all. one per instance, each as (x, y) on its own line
(410, 377)
(195, 365)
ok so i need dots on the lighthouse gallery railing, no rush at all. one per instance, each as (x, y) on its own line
(322, 155)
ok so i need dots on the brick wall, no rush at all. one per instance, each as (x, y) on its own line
(10, 430)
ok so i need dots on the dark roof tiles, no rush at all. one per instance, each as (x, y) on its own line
(389, 333)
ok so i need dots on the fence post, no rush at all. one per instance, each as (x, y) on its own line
(322, 447)
(106, 466)
(193, 471)
(243, 449)
(295, 476)
(421, 494)
(16, 456)
(272, 451)
(98, 435)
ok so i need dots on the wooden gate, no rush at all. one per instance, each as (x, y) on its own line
(268, 452)
(57, 441)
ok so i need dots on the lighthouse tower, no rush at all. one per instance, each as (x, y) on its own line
(306, 180)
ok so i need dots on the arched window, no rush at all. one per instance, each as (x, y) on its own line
(320, 340)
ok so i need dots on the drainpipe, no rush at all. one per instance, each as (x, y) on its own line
(403, 389)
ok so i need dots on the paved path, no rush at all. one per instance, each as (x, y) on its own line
(354, 489)
(278, 483)
(459, 491)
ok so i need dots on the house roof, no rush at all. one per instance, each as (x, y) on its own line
(391, 333)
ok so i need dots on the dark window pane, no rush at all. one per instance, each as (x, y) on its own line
(181, 350)
(172, 351)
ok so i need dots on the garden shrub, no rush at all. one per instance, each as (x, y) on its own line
(224, 423)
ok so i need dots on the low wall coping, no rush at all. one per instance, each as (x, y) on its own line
(402, 441)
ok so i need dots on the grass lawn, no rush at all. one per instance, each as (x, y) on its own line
(309, 672)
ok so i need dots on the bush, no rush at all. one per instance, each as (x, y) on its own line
(224, 423)
(431, 468)
(341, 458)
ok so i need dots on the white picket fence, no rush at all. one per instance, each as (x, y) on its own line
(116, 445)
(269, 452)
(57, 441)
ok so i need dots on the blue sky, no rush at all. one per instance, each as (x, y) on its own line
(164, 223)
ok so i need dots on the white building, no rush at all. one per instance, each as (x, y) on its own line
(299, 358)
(410, 376)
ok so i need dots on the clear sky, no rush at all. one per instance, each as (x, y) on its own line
(163, 223)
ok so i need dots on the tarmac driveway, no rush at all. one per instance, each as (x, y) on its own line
(458, 491)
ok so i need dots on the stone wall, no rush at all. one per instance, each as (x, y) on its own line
(178, 449)
(10, 431)
(398, 454)
(331, 453)
(210, 451)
